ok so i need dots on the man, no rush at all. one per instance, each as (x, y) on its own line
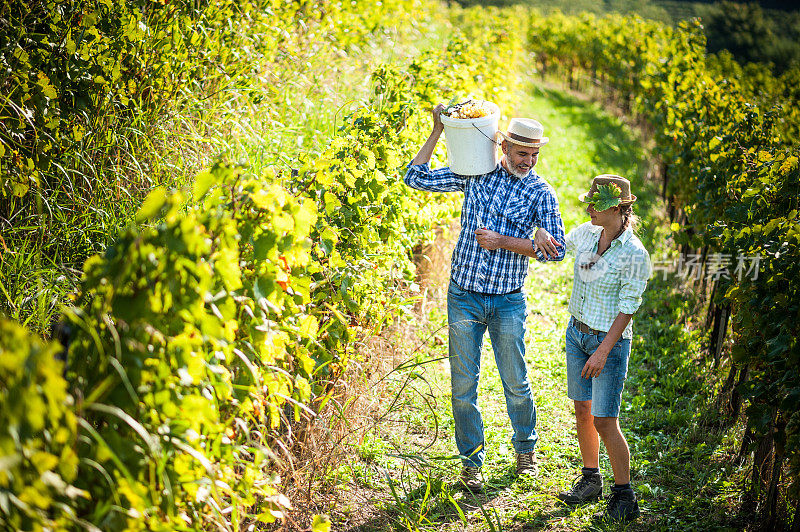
(501, 211)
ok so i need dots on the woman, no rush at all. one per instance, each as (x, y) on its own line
(611, 272)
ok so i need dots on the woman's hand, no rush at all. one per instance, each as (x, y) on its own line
(597, 361)
(594, 366)
(544, 242)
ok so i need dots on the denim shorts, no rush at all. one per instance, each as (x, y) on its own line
(605, 390)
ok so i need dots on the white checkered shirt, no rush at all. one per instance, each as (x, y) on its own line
(614, 284)
(501, 202)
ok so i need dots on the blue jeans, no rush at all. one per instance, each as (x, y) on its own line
(605, 390)
(469, 315)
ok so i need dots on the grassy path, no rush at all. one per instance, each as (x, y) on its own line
(407, 461)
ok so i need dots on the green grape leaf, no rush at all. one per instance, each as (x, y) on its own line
(152, 204)
(321, 523)
(202, 182)
(450, 105)
(607, 196)
(309, 327)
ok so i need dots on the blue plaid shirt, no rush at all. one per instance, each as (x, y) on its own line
(509, 205)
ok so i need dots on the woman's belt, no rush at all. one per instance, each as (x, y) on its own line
(582, 327)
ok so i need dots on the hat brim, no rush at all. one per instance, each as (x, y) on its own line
(582, 198)
(542, 141)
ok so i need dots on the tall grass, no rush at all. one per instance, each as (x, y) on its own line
(265, 105)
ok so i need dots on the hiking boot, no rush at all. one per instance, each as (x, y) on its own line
(471, 478)
(526, 465)
(588, 488)
(622, 506)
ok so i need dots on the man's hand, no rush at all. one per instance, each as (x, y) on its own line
(437, 118)
(488, 239)
(544, 242)
(595, 364)
(426, 151)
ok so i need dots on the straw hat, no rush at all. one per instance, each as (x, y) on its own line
(625, 197)
(525, 132)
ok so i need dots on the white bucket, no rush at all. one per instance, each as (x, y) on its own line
(471, 147)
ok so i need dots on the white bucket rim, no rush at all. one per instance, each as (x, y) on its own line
(472, 122)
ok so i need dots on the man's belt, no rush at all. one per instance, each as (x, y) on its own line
(516, 291)
(585, 329)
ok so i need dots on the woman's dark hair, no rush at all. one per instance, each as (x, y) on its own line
(629, 219)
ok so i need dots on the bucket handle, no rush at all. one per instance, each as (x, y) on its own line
(485, 135)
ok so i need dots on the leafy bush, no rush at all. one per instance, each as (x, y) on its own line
(195, 336)
(38, 434)
(102, 102)
(217, 326)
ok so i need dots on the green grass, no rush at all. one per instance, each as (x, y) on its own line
(680, 460)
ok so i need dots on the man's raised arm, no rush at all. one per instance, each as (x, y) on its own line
(420, 176)
(426, 151)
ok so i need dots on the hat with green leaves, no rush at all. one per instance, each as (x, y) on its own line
(608, 190)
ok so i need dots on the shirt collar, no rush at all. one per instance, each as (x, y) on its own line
(622, 239)
(626, 235)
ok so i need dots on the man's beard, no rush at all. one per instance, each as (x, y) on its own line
(513, 170)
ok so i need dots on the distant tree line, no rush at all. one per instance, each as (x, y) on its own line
(747, 32)
(766, 32)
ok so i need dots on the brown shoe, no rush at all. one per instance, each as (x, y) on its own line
(471, 478)
(526, 464)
